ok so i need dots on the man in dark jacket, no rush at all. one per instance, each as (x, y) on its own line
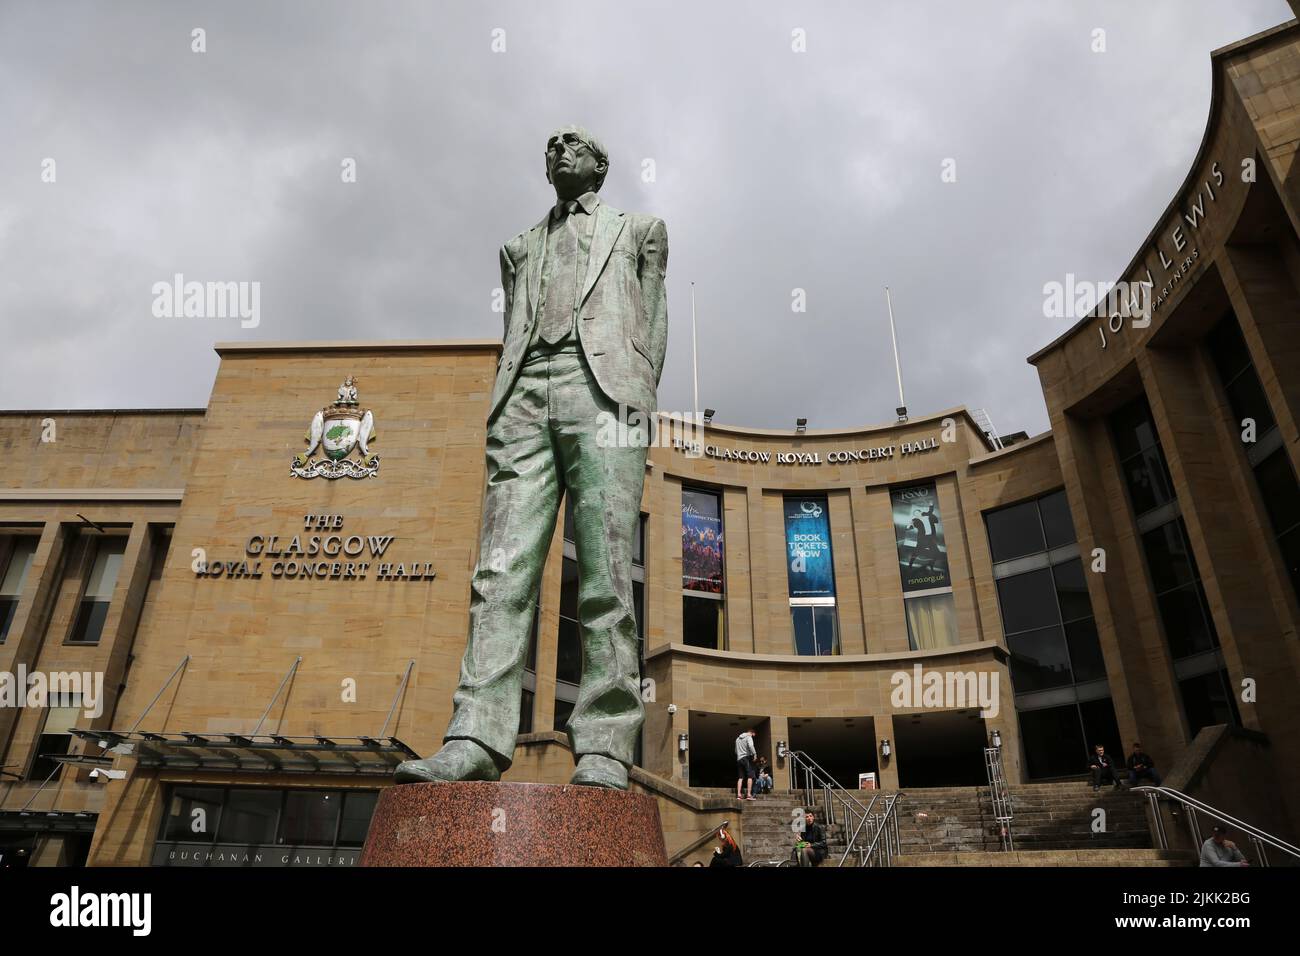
(811, 848)
(1141, 767)
(1102, 767)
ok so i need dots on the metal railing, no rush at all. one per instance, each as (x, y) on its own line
(872, 835)
(705, 836)
(1258, 838)
(1001, 797)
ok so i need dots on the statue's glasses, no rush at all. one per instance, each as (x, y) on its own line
(569, 141)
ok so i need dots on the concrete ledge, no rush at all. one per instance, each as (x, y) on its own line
(992, 648)
(362, 345)
(91, 494)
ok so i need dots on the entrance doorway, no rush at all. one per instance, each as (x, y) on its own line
(711, 754)
(944, 749)
(843, 746)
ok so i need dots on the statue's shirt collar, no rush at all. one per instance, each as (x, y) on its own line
(588, 201)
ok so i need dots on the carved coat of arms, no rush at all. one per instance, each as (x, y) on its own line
(336, 430)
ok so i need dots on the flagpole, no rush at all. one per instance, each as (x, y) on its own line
(695, 357)
(898, 370)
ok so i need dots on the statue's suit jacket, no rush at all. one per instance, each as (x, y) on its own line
(622, 320)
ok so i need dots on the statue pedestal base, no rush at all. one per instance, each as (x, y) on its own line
(513, 824)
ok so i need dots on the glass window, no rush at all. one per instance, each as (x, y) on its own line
(1187, 622)
(1071, 590)
(1148, 481)
(563, 711)
(931, 621)
(249, 817)
(1237, 372)
(1278, 488)
(1100, 727)
(1168, 558)
(1057, 523)
(526, 699)
(310, 817)
(1086, 661)
(1133, 428)
(702, 622)
(1028, 601)
(21, 552)
(193, 814)
(1015, 531)
(88, 626)
(1039, 659)
(358, 807)
(568, 657)
(55, 739)
(814, 630)
(1053, 742)
(1207, 701)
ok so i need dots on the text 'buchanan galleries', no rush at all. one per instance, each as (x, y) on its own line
(325, 555)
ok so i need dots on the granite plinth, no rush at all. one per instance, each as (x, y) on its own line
(513, 824)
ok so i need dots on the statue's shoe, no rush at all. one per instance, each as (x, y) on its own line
(597, 771)
(457, 760)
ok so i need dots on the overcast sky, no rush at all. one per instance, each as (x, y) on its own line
(775, 170)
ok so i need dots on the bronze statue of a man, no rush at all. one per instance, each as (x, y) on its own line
(586, 329)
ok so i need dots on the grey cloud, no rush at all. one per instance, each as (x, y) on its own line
(775, 171)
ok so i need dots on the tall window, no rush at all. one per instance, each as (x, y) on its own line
(252, 817)
(810, 572)
(16, 554)
(1057, 670)
(1267, 457)
(103, 557)
(1175, 580)
(923, 565)
(55, 739)
(703, 554)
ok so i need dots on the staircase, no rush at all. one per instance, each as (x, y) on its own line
(954, 826)
(1047, 816)
(766, 828)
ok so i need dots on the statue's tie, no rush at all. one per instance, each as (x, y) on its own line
(561, 286)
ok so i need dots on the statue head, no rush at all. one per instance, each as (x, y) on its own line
(575, 162)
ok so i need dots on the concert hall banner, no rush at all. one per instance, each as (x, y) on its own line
(918, 530)
(808, 548)
(701, 542)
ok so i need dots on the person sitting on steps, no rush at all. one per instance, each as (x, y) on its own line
(811, 848)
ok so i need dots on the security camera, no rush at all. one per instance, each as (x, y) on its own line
(672, 708)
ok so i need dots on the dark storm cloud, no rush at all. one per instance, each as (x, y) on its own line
(775, 171)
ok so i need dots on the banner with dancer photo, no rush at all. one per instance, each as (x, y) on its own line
(918, 531)
(701, 541)
(808, 548)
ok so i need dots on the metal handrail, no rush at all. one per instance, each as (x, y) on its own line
(1000, 796)
(856, 816)
(1193, 806)
(887, 826)
(827, 781)
(704, 837)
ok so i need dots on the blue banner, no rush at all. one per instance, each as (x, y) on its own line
(808, 548)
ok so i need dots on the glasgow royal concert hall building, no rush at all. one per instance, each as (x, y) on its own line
(266, 626)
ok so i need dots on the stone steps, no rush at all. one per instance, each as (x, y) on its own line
(1047, 818)
(1060, 857)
